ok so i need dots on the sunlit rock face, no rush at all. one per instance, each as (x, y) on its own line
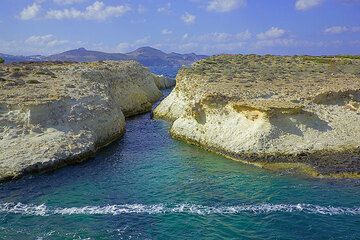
(55, 113)
(276, 112)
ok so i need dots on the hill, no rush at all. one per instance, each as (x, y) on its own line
(156, 60)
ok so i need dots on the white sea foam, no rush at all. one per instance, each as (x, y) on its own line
(43, 210)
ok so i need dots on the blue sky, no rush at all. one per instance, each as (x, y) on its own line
(313, 27)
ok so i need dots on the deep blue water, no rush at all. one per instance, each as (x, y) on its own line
(149, 186)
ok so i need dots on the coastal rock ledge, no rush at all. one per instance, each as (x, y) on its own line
(297, 113)
(52, 114)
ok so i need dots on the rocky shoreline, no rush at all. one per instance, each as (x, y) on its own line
(52, 114)
(296, 113)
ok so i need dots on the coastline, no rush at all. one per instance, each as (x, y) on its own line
(89, 112)
(306, 122)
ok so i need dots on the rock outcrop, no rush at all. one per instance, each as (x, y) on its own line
(298, 112)
(163, 82)
(55, 113)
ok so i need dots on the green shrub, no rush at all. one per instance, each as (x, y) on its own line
(2, 60)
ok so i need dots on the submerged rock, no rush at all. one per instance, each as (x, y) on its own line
(275, 112)
(71, 111)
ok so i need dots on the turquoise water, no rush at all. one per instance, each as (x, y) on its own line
(149, 186)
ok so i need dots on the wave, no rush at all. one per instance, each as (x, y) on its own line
(43, 210)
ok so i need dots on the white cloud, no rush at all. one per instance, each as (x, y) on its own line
(219, 48)
(96, 11)
(165, 9)
(127, 47)
(185, 47)
(142, 41)
(266, 43)
(233, 47)
(224, 37)
(141, 9)
(44, 44)
(225, 5)
(336, 29)
(219, 37)
(272, 33)
(341, 29)
(243, 35)
(306, 4)
(203, 48)
(30, 11)
(209, 43)
(68, 2)
(299, 46)
(188, 18)
(48, 44)
(45, 40)
(271, 38)
(123, 47)
(166, 32)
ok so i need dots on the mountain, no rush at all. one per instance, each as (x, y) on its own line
(147, 52)
(163, 63)
(12, 58)
(83, 55)
(156, 60)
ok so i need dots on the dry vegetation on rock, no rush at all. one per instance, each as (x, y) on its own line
(53, 113)
(272, 109)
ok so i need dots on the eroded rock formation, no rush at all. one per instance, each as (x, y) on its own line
(55, 113)
(163, 82)
(276, 112)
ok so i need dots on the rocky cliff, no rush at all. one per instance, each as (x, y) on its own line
(163, 82)
(55, 113)
(296, 112)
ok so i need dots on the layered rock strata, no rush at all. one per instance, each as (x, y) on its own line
(56, 113)
(298, 112)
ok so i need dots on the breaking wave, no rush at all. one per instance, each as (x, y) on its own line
(43, 210)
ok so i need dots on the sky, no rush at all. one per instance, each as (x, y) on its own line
(282, 27)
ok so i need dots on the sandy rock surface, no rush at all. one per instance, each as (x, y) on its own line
(278, 112)
(55, 113)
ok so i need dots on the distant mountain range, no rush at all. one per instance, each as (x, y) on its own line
(157, 61)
